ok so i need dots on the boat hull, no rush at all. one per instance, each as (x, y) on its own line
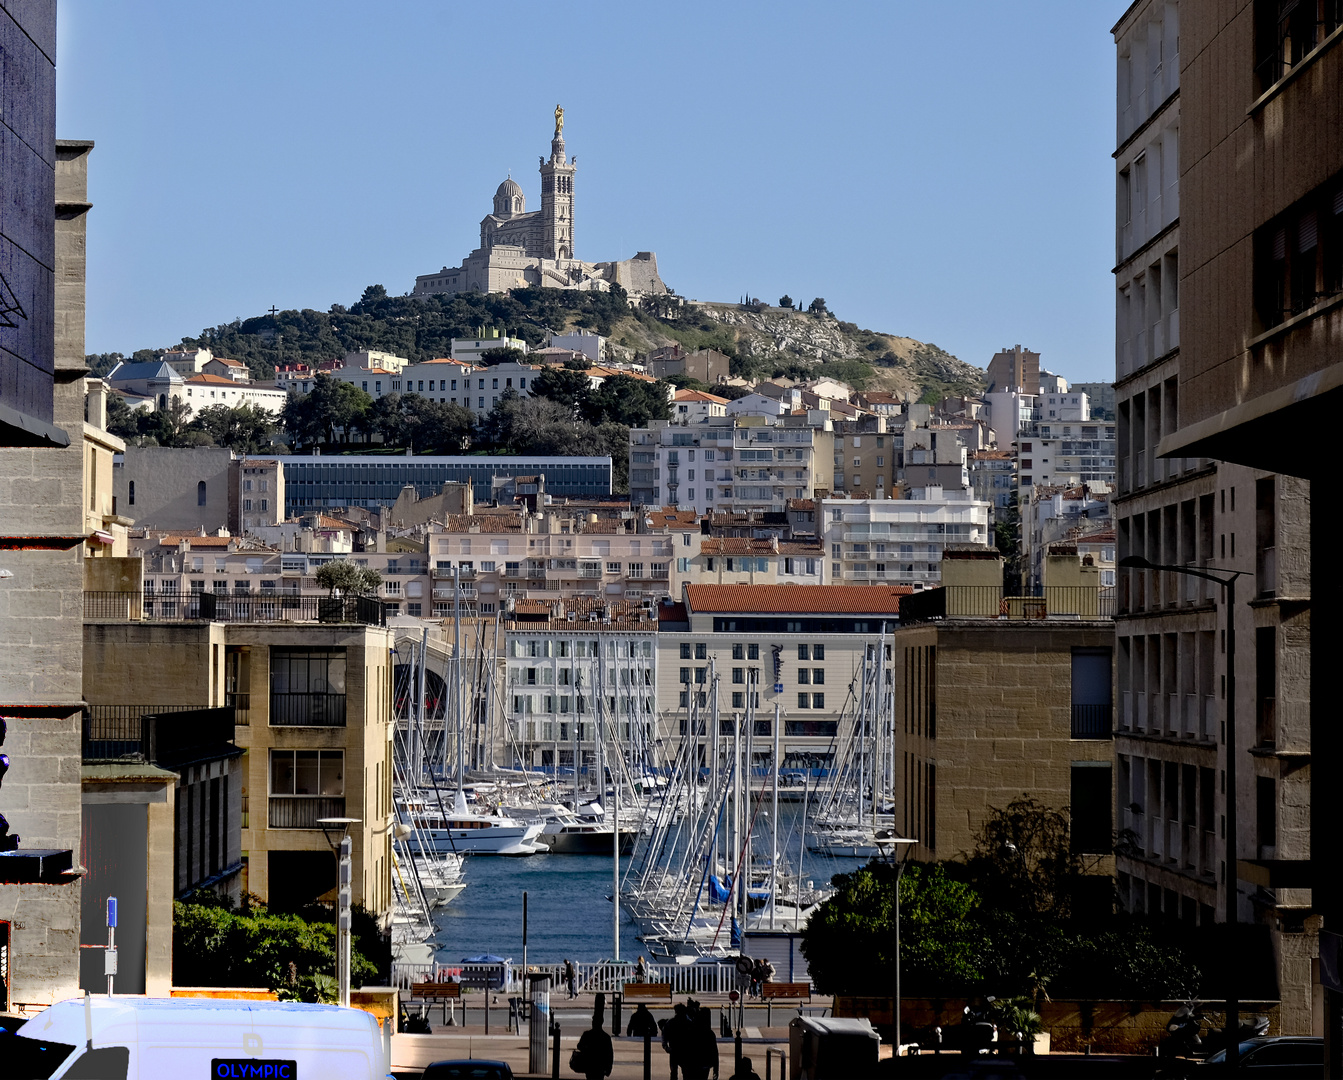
(587, 843)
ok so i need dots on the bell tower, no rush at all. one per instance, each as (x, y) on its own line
(557, 198)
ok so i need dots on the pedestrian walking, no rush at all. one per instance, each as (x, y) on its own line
(642, 1023)
(675, 1035)
(702, 1051)
(641, 971)
(570, 977)
(594, 1056)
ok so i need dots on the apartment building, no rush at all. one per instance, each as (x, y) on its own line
(753, 650)
(734, 560)
(312, 706)
(725, 463)
(1257, 374)
(997, 696)
(1051, 514)
(1014, 369)
(580, 671)
(899, 541)
(1055, 452)
(993, 478)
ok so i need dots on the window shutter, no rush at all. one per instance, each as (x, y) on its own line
(1307, 234)
(1280, 244)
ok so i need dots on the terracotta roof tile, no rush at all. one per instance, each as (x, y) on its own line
(798, 599)
(699, 395)
(212, 380)
(736, 545)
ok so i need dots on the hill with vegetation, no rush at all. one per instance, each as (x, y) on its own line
(762, 340)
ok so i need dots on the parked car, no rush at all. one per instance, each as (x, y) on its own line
(1276, 1055)
(474, 1069)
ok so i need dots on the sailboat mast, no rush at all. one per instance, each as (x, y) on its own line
(417, 736)
(457, 673)
(774, 821)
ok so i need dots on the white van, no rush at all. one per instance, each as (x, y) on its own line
(130, 1038)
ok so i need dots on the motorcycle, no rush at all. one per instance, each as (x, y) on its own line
(1185, 1036)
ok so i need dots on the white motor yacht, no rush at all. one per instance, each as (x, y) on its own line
(464, 831)
(567, 833)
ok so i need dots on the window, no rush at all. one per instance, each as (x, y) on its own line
(701, 651)
(738, 651)
(804, 701)
(685, 650)
(738, 699)
(818, 652)
(803, 676)
(803, 652)
(307, 687)
(414, 609)
(818, 701)
(1298, 257)
(685, 675)
(307, 772)
(1090, 805)
(753, 651)
(738, 675)
(131, 492)
(200, 493)
(818, 676)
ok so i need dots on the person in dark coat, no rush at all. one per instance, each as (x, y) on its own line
(570, 975)
(702, 1051)
(744, 1071)
(594, 1045)
(642, 1023)
(675, 1037)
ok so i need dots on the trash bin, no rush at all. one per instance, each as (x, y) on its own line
(827, 1049)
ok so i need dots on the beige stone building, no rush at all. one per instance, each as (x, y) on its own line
(42, 519)
(762, 647)
(997, 698)
(313, 710)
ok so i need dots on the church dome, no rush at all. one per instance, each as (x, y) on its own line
(509, 199)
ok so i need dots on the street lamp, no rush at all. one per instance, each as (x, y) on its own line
(343, 880)
(1228, 585)
(901, 860)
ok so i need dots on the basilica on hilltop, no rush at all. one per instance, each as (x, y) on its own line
(521, 247)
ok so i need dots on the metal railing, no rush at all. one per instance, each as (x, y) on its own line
(995, 602)
(242, 708)
(591, 977)
(302, 811)
(129, 606)
(1091, 721)
(155, 733)
(307, 710)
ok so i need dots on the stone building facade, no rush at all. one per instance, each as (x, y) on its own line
(1213, 504)
(42, 232)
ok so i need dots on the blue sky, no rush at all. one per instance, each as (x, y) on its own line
(936, 170)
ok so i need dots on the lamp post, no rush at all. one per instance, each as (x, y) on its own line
(1228, 586)
(901, 858)
(343, 881)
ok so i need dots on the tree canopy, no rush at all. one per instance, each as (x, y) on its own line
(347, 578)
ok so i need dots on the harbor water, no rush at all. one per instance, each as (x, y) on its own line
(568, 910)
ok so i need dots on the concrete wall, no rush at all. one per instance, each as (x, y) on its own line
(166, 482)
(1002, 724)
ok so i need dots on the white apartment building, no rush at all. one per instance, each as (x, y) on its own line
(578, 670)
(729, 463)
(376, 382)
(591, 345)
(1055, 452)
(469, 349)
(899, 541)
(751, 649)
(371, 358)
(445, 381)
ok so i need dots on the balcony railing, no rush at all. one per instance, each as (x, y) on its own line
(162, 734)
(994, 602)
(302, 811)
(307, 710)
(242, 708)
(1092, 721)
(131, 606)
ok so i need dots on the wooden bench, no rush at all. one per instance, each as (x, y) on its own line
(442, 992)
(656, 992)
(798, 994)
